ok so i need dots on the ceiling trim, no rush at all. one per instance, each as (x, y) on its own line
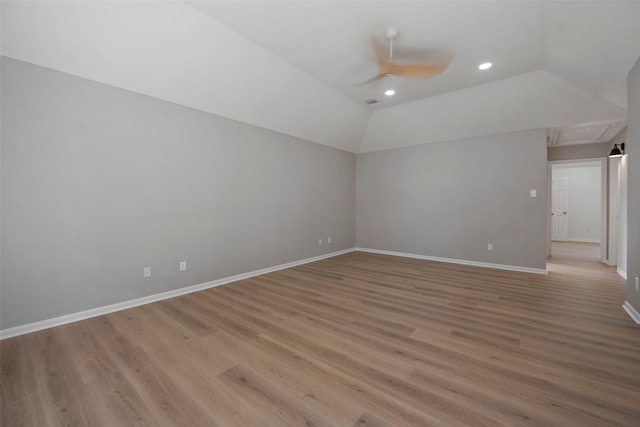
(584, 133)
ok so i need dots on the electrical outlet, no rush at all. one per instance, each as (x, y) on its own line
(490, 246)
(146, 272)
(328, 239)
(320, 242)
(183, 265)
(533, 193)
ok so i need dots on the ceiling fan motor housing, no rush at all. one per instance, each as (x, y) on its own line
(391, 33)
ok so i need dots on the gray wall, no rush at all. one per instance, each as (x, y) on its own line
(451, 199)
(98, 183)
(632, 148)
(579, 151)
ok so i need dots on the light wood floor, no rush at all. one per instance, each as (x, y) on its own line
(355, 340)
(576, 251)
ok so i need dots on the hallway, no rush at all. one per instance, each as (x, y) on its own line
(579, 258)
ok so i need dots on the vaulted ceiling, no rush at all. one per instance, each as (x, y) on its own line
(295, 67)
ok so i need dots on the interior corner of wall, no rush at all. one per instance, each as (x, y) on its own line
(363, 134)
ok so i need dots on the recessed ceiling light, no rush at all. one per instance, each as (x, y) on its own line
(485, 66)
(389, 92)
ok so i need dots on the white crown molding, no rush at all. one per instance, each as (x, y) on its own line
(585, 133)
(82, 315)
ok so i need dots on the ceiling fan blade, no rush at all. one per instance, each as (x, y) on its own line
(372, 79)
(416, 71)
(386, 66)
(379, 49)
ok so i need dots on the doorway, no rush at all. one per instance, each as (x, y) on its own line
(578, 208)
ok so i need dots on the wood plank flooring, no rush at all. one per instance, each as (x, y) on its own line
(356, 340)
(576, 251)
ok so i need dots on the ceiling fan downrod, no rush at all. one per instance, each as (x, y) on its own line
(390, 35)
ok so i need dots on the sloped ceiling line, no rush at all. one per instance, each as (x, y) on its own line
(171, 51)
(291, 66)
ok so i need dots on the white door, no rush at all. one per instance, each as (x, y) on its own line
(559, 209)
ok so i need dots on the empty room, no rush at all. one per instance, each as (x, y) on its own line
(328, 213)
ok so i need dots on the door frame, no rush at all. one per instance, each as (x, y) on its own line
(604, 197)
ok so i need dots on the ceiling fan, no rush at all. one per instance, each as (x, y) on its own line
(389, 68)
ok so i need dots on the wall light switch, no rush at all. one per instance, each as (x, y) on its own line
(183, 265)
(533, 193)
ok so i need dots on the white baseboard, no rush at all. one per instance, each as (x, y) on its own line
(458, 261)
(577, 239)
(74, 317)
(631, 312)
(622, 273)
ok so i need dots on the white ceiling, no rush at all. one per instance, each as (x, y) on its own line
(584, 133)
(293, 67)
(331, 40)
